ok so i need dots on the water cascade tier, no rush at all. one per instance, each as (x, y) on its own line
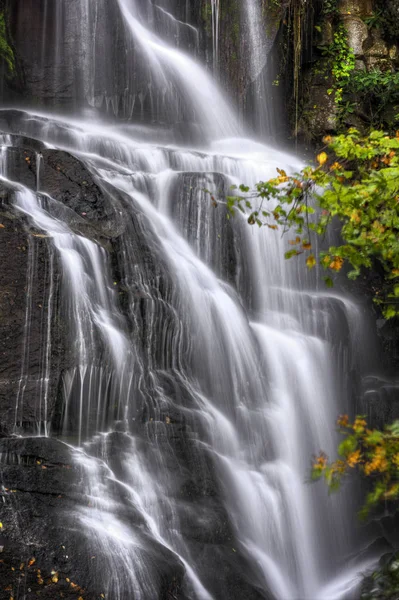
(172, 374)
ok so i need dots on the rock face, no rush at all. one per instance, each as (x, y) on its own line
(24, 313)
(30, 278)
(43, 548)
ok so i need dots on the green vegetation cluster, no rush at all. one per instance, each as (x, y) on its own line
(369, 92)
(342, 60)
(383, 583)
(6, 51)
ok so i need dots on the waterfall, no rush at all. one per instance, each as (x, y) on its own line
(257, 34)
(215, 33)
(201, 397)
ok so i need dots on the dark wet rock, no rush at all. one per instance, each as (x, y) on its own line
(357, 33)
(66, 180)
(45, 551)
(24, 288)
(28, 263)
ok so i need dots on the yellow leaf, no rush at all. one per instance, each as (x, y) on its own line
(2, 226)
(311, 261)
(307, 246)
(354, 458)
(31, 562)
(322, 158)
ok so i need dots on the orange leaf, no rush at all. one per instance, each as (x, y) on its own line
(336, 263)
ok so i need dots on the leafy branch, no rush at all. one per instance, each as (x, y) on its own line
(356, 180)
(373, 453)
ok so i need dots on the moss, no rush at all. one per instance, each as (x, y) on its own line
(6, 51)
(206, 16)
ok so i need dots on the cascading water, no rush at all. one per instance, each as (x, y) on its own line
(218, 335)
(215, 33)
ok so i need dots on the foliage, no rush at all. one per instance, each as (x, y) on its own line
(6, 52)
(357, 181)
(377, 90)
(372, 452)
(343, 62)
(387, 11)
(384, 582)
(371, 91)
(374, 20)
(330, 7)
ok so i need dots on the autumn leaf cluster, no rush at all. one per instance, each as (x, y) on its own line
(373, 453)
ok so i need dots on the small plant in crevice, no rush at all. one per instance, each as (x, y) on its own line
(330, 7)
(375, 20)
(6, 51)
(382, 583)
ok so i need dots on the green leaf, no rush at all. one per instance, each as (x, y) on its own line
(290, 254)
(347, 446)
(329, 282)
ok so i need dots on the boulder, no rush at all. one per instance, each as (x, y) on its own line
(357, 33)
(361, 8)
